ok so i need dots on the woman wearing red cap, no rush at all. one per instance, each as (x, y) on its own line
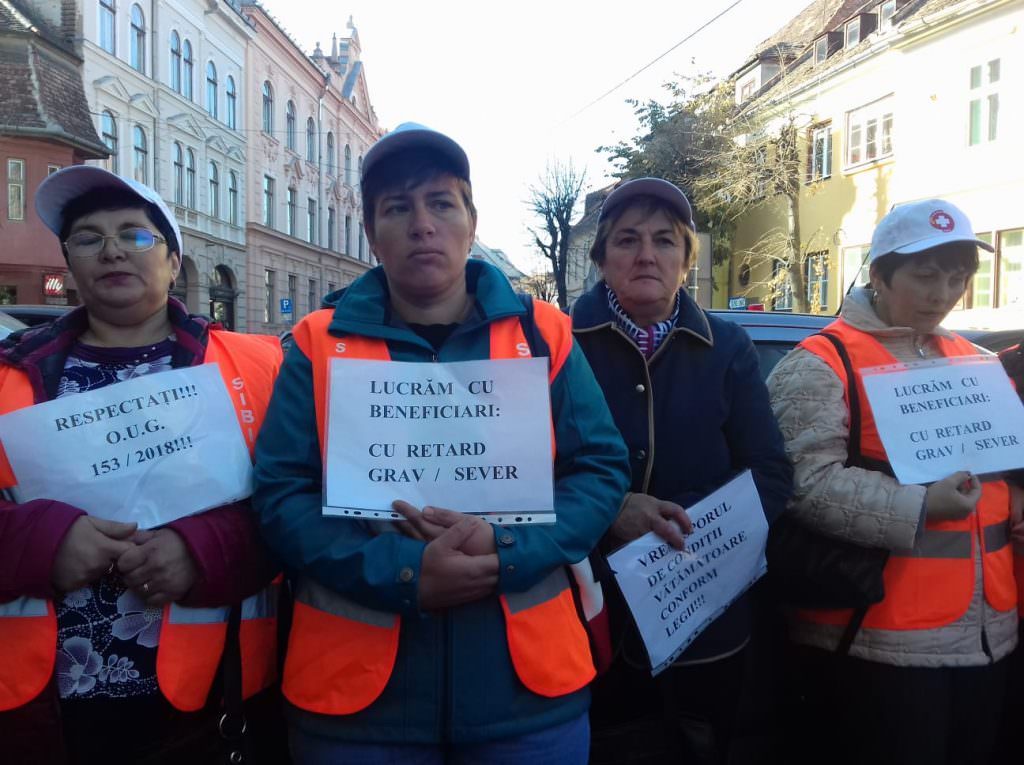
(923, 679)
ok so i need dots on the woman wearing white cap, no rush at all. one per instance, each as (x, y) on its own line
(456, 641)
(110, 636)
(686, 393)
(924, 677)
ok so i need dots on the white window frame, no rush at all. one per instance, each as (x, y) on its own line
(109, 135)
(984, 101)
(175, 73)
(875, 119)
(140, 154)
(15, 189)
(290, 211)
(188, 65)
(821, 133)
(855, 266)
(137, 41)
(886, 11)
(214, 188)
(107, 26)
(211, 89)
(179, 174)
(852, 30)
(232, 197)
(820, 50)
(190, 178)
(230, 103)
(812, 280)
(268, 202)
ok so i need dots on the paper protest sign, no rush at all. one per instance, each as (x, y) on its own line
(674, 595)
(472, 436)
(147, 450)
(939, 416)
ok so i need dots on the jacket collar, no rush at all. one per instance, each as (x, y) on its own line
(40, 352)
(364, 307)
(591, 312)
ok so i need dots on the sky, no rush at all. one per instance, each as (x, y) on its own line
(514, 83)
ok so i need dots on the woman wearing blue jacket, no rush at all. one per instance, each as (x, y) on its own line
(454, 640)
(686, 393)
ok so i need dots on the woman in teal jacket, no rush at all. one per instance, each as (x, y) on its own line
(457, 685)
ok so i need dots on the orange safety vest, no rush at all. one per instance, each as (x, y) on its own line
(341, 654)
(931, 585)
(191, 639)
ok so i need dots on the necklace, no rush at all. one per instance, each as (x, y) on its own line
(920, 346)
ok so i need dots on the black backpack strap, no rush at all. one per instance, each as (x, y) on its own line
(855, 458)
(538, 345)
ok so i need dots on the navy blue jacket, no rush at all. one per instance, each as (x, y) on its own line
(693, 416)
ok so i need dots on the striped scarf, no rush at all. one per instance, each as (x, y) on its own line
(647, 339)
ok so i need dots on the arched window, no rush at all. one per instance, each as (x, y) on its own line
(233, 198)
(187, 66)
(214, 190)
(331, 168)
(310, 140)
(231, 103)
(140, 155)
(289, 125)
(190, 179)
(137, 46)
(268, 108)
(348, 165)
(179, 174)
(108, 129)
(211, 89)
(108, 26)
(175, 61)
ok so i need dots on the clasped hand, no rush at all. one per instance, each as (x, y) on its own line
(460, 561)
(156, 564)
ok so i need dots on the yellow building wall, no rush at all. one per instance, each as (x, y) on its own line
(927, 77)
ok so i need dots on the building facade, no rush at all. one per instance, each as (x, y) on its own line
(44, 126)
(164, 80)
(312, 122)
(897, 101)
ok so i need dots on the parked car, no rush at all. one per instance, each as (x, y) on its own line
(775, 334)
(9, 324)
(36, 314)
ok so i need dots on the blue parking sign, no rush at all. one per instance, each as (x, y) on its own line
(286, 305)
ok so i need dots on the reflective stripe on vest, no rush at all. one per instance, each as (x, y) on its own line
(28, 643)
(341, 655)
(931, 585)
(191, 640)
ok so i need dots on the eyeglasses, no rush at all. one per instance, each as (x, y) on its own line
(88, 244)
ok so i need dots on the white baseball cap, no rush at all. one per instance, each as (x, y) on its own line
(65, 186)
(648, 187)
(917, 226)
(412, 135)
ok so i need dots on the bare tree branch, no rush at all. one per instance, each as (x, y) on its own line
(553, 200)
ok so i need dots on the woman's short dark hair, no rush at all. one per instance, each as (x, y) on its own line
(114, 199)
(648, 205)
(949, 258)
(407, 170)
